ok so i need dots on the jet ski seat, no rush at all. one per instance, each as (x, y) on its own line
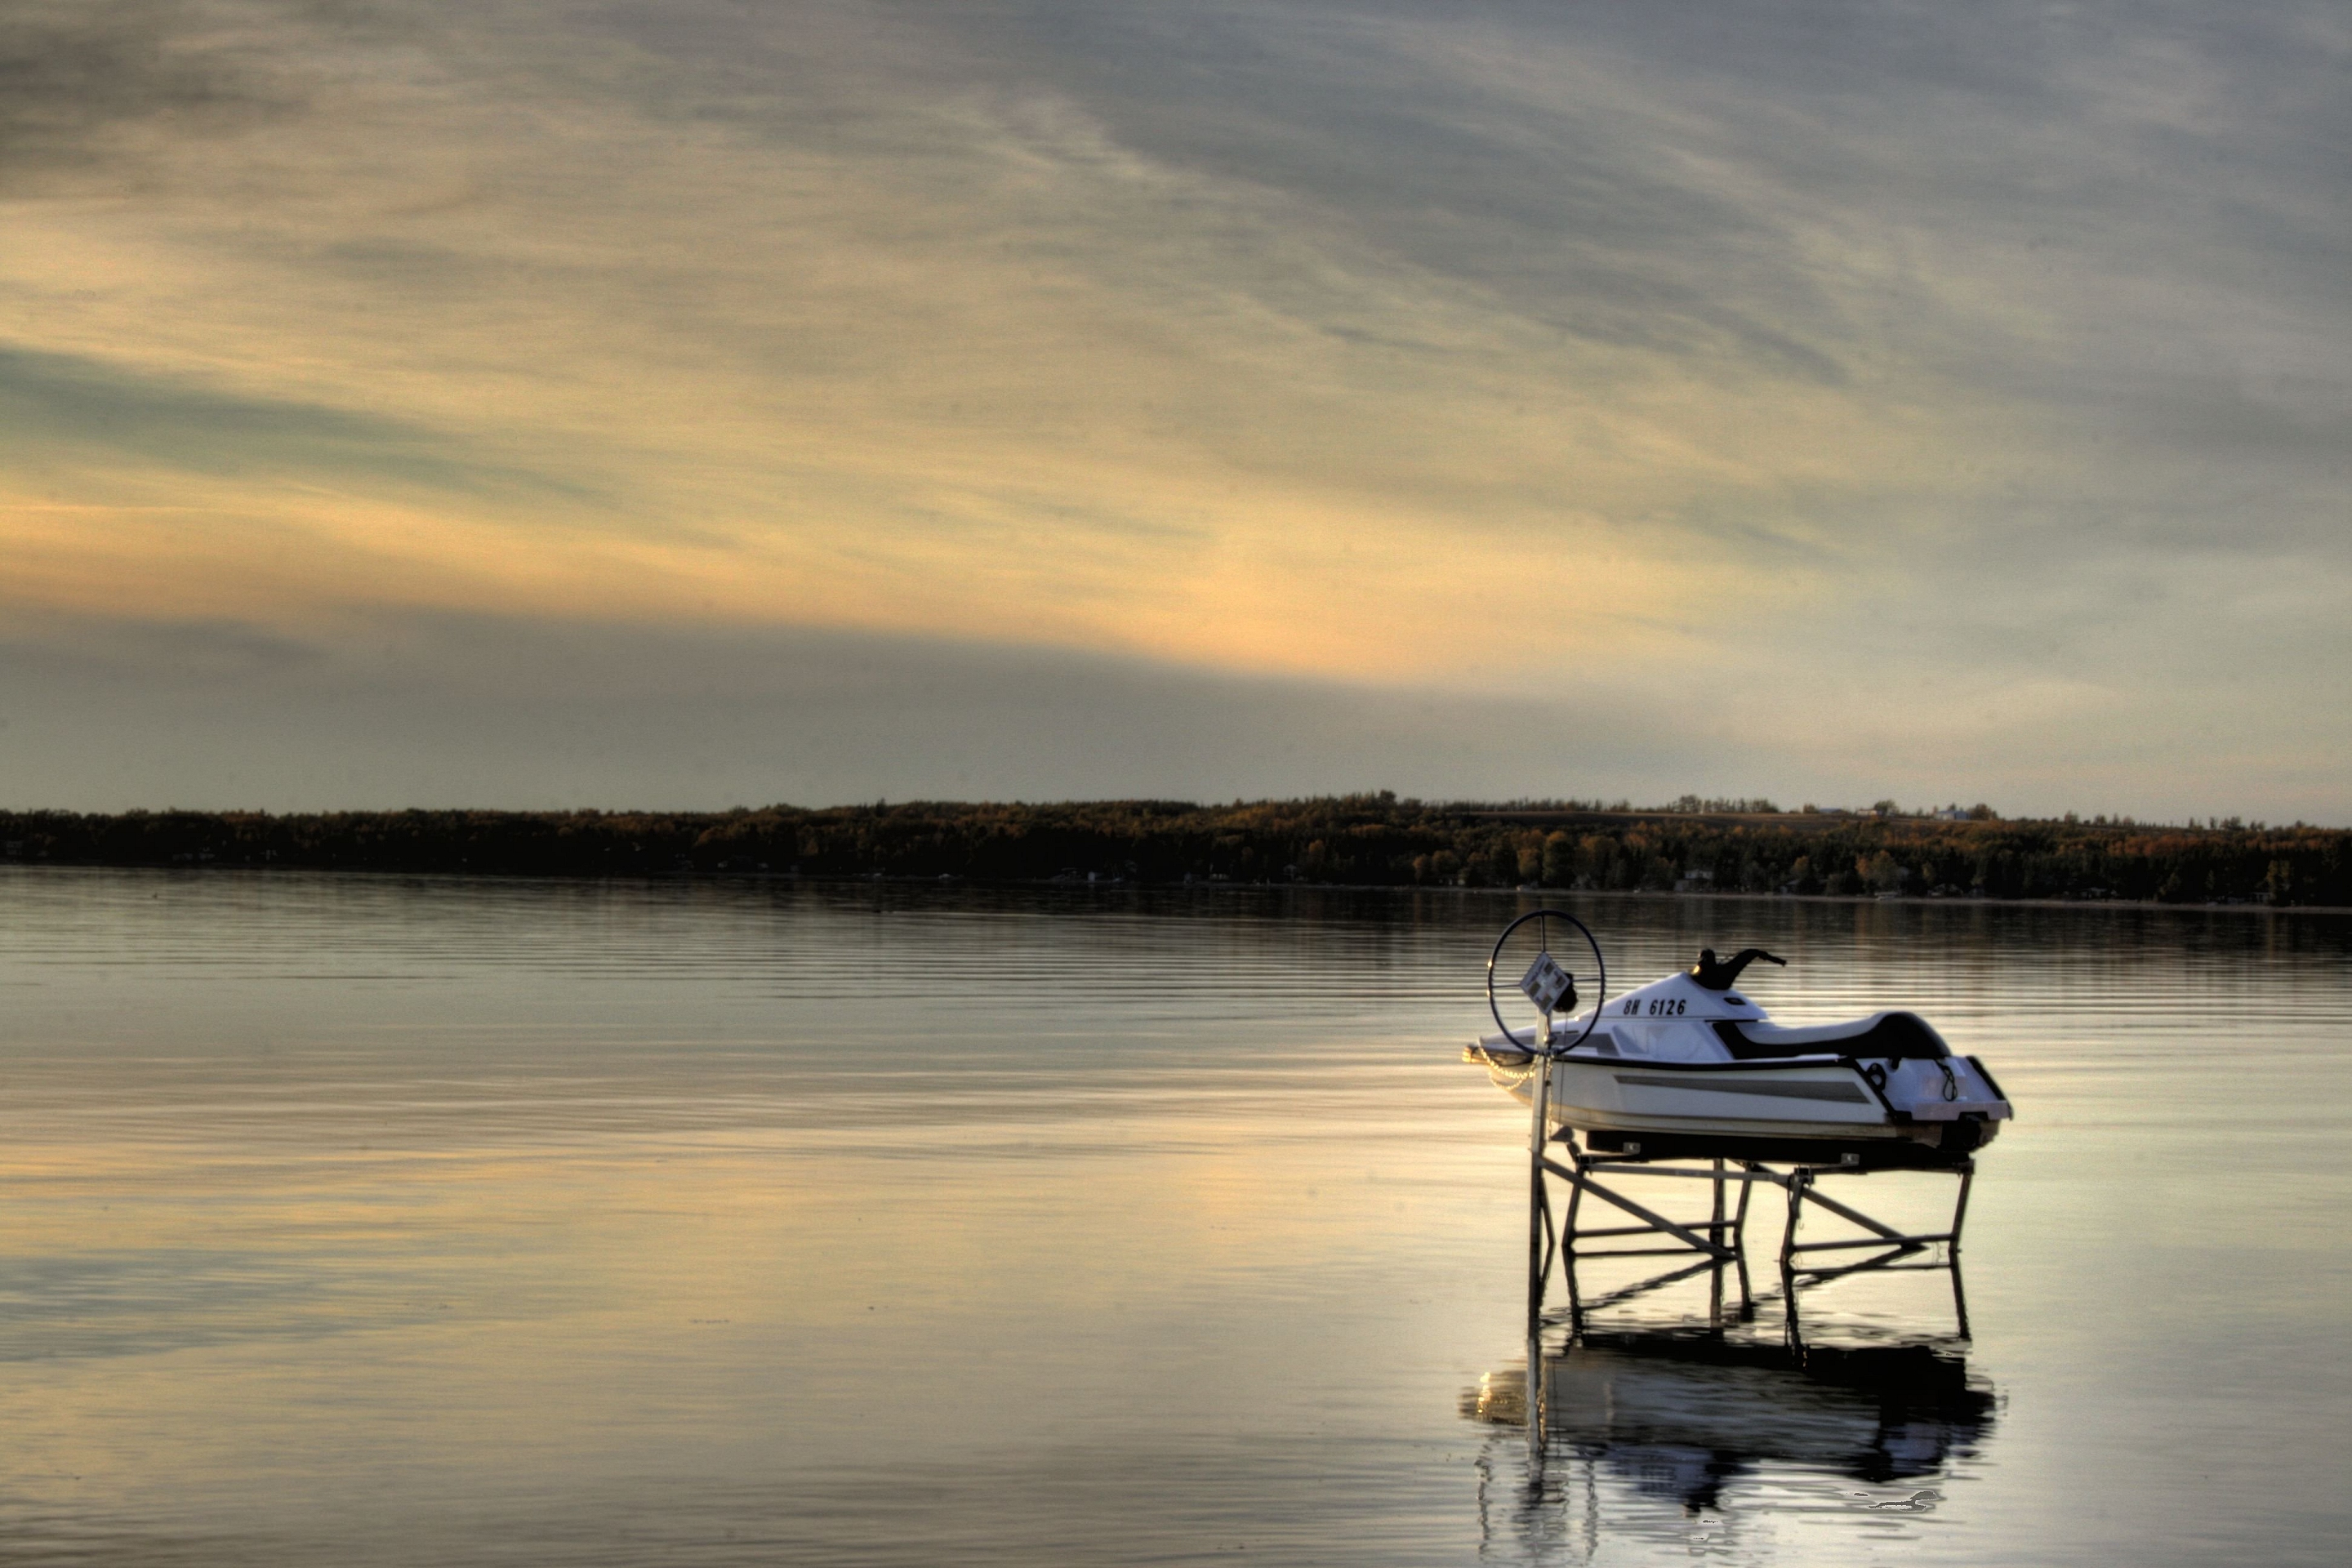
(1891, 1037)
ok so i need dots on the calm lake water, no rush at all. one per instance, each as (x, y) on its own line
(379, 1220)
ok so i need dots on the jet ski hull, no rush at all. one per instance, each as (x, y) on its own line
(1688, 1066)
(1823, 1111)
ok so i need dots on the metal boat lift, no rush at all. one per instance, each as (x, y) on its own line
(1718, 1240)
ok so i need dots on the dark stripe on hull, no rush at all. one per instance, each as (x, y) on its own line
(1846, 1092)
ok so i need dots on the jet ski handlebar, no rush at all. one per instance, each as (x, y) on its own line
(1722, 975)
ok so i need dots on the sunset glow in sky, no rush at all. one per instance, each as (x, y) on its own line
(528, 401)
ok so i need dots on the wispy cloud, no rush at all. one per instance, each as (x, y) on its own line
(50, 403)
(84, 84)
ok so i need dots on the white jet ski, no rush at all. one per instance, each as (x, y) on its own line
(1689, 1067)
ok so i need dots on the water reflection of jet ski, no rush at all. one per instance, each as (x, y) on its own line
(1681, 1413)
(1688, 1066)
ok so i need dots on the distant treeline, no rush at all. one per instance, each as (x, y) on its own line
(1355, 840)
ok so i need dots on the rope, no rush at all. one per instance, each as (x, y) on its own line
(1498, 1070)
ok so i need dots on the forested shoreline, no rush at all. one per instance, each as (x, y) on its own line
(1356, 840)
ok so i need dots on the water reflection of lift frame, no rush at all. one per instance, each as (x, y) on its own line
(1718, 1240)
(1683, 1413)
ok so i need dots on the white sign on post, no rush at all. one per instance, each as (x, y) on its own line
(1546, 985)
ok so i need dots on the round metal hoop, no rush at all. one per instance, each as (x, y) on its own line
(1600, 988)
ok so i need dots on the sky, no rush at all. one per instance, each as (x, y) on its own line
(532, 402)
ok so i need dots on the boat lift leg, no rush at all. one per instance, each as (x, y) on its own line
(1730, 1230)
(1714, 1227)
(1739, 1246)
(1539, 1231)
(1567, 1234)
(1795, 1182)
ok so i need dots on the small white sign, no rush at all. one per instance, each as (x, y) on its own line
(1545, 983)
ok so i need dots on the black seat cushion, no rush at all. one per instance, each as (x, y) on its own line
(1898, 1037)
